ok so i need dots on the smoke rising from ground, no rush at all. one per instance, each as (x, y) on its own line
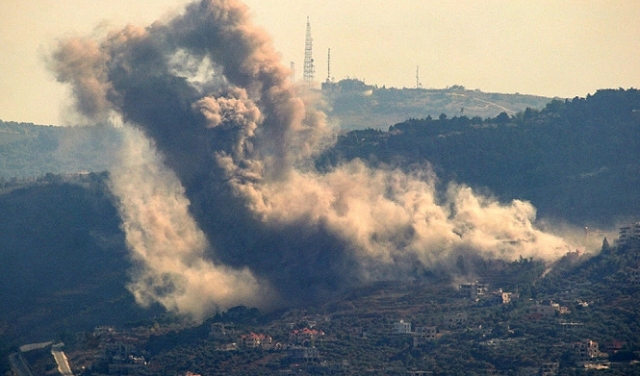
(233, 211)
(166, 243)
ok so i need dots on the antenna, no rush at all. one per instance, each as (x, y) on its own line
(292, 76)
(308, 56)
(418, 84)
(329, 65)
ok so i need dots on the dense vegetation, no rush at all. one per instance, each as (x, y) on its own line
(63, 261)
(577, 160)
(28, 150)
(488, 336)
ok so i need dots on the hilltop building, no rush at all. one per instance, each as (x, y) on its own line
(350, 86)
(629, 234)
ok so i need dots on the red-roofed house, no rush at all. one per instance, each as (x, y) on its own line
(304, 336)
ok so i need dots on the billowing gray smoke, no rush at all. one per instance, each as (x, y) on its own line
(219, 199)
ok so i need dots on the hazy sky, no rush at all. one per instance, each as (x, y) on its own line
(545, 47)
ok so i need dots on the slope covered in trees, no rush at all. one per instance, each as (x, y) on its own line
(63, 262)
(29, 150)
(577, 160)
(588, 300)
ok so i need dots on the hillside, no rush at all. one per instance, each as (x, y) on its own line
(352, 104)
(575, 160)
(578, 318)
(29, 150)
(64, 263)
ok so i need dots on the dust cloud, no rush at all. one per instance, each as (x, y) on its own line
(219, 197)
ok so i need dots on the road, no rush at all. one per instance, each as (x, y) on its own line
(508, 111)
(61, 360)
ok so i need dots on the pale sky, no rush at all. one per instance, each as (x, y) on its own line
(561, 48)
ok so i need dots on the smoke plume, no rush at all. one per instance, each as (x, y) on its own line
(219, 198)
(167, 242)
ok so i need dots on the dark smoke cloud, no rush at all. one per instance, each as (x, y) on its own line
(218, 196)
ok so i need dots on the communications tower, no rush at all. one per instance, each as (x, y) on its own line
(329, 65)
(309, 70)
(292, 76)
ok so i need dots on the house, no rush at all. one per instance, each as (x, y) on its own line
(474, 290)
(253, 340)
(549, 369)
(304, 353)
(124, 359)
(585, 350)
(506, 297)
(402, 327)
(545, 311)
(455, 319)
(614, 346)
(220, 329)
(424, 334)
(305, 336)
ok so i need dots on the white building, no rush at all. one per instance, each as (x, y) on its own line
(629, 233)
(402, 327)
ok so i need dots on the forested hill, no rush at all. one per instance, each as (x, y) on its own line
(29, 150)
(577, 159)
(574, 159)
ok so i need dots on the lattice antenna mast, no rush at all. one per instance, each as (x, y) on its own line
(309, 70)
(329, 65)
(292, 77)
(418, 83)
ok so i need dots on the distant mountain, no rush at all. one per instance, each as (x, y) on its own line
(355, 105)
